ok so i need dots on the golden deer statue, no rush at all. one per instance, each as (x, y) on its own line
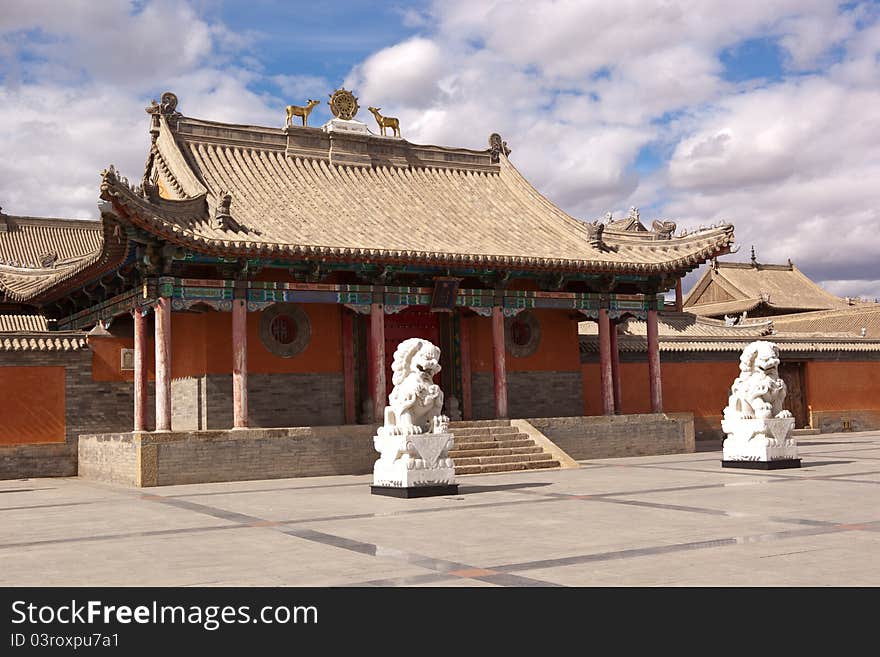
(303, 111)
(386, 121)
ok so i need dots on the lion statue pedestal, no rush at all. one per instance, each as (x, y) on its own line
(414, 441)
(757, 427)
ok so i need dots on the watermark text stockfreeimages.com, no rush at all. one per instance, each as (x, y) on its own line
(210, 617)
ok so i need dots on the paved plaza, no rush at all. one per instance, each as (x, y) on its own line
(675, 520)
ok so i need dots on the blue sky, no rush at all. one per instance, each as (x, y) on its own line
(766, 116)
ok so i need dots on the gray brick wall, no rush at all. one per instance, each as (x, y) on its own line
(109, 457)
(274, 400)
(529, 394)
(185, 457)
(598, 437)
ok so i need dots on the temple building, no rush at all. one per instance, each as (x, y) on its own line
(259, 277)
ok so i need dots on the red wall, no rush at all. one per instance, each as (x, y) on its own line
(201, 343)
(557, 351)
(842, 386)
(697, 387)
(32, 405)
(701, 388)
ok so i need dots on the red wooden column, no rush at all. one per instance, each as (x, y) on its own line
(377, 360)
(467, 407)
(348, 366)
(140, 370)
(239, 364)
(498, 362)
(654, 363)
(163, 364)
(679, 299)
(605, 375)
(615, 367)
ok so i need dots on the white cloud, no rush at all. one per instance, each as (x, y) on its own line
(578, 88)
(408, 72)
(76, 82)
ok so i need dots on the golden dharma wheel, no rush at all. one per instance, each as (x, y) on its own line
(343, 104)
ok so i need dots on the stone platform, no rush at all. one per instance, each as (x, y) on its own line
(412, 492)
(195, 457)
(778, 464)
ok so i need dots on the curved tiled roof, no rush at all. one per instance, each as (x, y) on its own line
(686, 332)
(680, 325)
(36, 253)
(39, 255)
(32, 333)
(303, 192)
(23, 323)
(52, 341)
(851, 320)
(742, 286)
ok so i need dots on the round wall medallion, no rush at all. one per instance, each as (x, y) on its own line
(522, 334)
(343, 104)
(285, 329)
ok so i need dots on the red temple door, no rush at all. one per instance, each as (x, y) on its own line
(795, 399)
(412, 322)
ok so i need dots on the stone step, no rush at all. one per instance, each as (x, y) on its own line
(487, 437)
(505, 458)
(805, 432)
(469, 424)
(506, 467)
(477, 431)
(497, 451)
(493, 444)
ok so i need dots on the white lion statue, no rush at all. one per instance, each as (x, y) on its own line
(416, 402)
(756, 425)
(757, 392)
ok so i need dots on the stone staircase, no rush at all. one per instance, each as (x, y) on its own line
(483, 446)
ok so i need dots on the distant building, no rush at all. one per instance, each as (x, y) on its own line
(733, 288)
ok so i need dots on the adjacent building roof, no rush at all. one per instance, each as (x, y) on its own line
(24, 332)
(731, 288)
(54, 341)
(23, 323)
(39, 256)
(861, 320)
(686, 332)
(677, 332)
(304, 192)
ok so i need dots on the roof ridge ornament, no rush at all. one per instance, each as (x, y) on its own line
(222, 214)
(301, 111)
(664, 229)
(167, 105)
(385, 122)
(594, 233)
(496, 147)
(343, 104)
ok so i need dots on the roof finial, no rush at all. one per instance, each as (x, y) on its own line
(222, 214)
(497, 146)
(754, 259)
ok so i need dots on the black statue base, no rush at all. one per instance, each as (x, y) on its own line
(415, 491)
(763, 465)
